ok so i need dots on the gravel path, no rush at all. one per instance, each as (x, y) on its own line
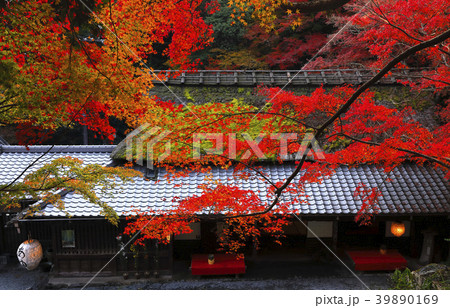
(15, 277)
(260, 276)
(378, 281)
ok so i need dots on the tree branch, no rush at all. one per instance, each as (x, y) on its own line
(436, 40)
(427, 157)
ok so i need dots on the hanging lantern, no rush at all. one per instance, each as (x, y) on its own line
(30, 254)
(397, 228)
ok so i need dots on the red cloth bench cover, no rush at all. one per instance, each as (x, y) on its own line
(224, 264)
(373, 260)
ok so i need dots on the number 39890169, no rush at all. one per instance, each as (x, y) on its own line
(417, 299)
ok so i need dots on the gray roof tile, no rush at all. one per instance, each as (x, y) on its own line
(413, 189)
(14, 159)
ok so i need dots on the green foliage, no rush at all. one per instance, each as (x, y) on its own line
(241, 59)
(187, 94)
(203, 94)
(189, 121)
(437, 278)
(50, 182)
(8, 72)
(401, 97)
(337, 144)
(402, 280)
(9, 76)
(227, 35)
(405, 281)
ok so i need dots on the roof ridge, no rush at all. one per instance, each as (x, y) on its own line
(56, 149)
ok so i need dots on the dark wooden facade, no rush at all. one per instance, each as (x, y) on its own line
(96, 242)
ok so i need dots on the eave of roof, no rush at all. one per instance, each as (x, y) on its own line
(415, 190)
(56, 148)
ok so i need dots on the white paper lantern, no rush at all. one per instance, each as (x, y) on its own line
(30, 254)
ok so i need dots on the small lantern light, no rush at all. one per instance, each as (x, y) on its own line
(397, 228)
(30, 254)
(211, 259)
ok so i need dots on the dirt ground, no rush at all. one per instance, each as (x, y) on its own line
(262, 274)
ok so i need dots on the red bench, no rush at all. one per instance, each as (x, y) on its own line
(224, 264)
(374, 260)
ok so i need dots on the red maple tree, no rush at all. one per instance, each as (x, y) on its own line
(59, 78)
(367, 132)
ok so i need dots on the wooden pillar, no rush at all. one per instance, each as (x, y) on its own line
(324, 79)
(147, 260)
(85, 135)
(427, 246)
(122, 264)
(413, 249)
(2, 233)
(272, 79)
(156, 270)
(334, 242)
(447, 223)
(55, 248)
(171, 254)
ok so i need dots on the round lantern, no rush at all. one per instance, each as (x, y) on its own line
(397, 228)
(29, 254)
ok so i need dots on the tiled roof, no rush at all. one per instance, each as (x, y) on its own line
(412, 190)
(14, 159)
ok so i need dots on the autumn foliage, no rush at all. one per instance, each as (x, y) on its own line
(369, 132)
(383, 29)
(56, 77)
(216, 202)
(53, 180)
